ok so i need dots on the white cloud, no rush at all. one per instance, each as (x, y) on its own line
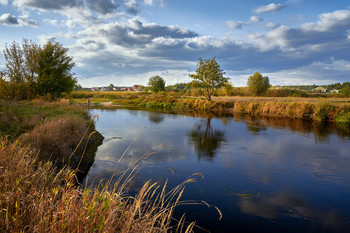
(328, 34)
(256, 19)
(132, 6)
(269, 8)
(43, 39)
(8, 19)
(4, 2)
(329, 22)
(154, 2)
(49, 5)
(24, 20)
(234, 24)
(327, 72)
(102, 6)
(52, 21)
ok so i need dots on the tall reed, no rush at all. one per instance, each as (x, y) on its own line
(36, 198)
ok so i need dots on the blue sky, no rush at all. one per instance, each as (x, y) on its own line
(125, 42)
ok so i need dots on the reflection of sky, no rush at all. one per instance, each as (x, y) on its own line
(293, 176)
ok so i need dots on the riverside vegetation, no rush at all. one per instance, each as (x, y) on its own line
(43, 146)
(310, 108)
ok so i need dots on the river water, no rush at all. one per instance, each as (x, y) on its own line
(264, 174)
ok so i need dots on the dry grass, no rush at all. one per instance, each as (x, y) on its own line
(56, 138)
(34, 198)
(319, 111)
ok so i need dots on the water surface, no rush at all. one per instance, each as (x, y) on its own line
(264, 174)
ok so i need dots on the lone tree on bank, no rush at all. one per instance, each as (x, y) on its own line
(208, 77)
(156, 84)
(257, 84)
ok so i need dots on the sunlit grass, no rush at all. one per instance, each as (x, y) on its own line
(34, 197)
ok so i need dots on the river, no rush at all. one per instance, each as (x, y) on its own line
(264, 174)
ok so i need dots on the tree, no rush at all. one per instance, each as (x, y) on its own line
(35, 70)
(346, 90)
(156, 83)
(257, 84)
(54, 71)
(208, 77)
(14, 70)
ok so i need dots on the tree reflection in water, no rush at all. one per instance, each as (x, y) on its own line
(205, 139)
(155, 118)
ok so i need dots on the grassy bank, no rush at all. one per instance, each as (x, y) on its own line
(34, 197)
(316, 109)
(58, 131)
(43, 148)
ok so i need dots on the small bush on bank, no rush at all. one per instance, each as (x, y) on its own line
(56, 139)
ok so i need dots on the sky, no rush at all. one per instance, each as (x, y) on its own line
(126, 42)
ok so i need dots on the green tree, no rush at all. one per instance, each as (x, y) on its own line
(156, 83)
(208, 77)
(54, 71)
(258, 85)
(227, 89)
(32, 69)
(346, 90)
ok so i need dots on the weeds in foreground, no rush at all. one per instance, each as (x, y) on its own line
(35, 198)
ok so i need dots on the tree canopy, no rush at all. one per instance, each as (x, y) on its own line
(258, 85)
(156, 83)
(37, 70)
(208, 76)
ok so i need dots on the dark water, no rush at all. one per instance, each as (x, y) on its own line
(265, 175)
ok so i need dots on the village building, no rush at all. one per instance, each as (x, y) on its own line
(319, 90)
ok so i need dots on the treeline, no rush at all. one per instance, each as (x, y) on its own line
(32, 70)
(338, 86)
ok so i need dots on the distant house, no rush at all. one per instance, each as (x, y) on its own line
(136, 87)
(319, 90)
(95, 89)
(335, 91)
(105, 89)
(123, 89)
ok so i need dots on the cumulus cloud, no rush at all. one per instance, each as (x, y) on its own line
(154, 2)
(49, 5)
(44, 39)
(272, 7)
(132, 6)
(238, 24)
(234, 24)
(256, 19)
(3, 2)
(8, 19)
(134, 33)
(330, 71)
(24, 20)
(102, 6)
(330, 33)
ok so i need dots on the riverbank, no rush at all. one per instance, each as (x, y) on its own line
(43, 148)
(316, 109)
(62, 134)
